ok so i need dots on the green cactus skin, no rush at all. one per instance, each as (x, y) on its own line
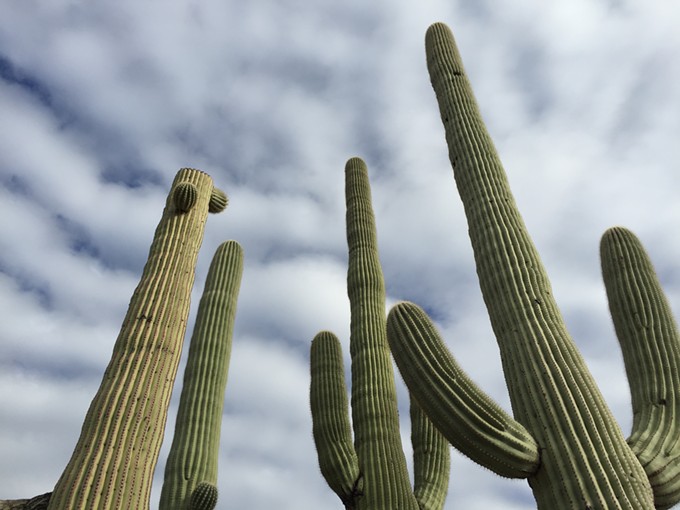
(471, 421)
(113, 462)
(185, 195)
(585, 460)
(650, 343)
(195, 447)
(218, 201)
(204, 497)
(383, 481)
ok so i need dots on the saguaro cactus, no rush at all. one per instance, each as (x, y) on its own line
(369, 472)
(584, 461)
(113, 462)
(192, 462)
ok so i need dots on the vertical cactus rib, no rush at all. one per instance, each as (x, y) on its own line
(194, 453)
(584, 459)
(330, 418)
(431, 461)
(374, 411)
(469, 419)
(650, 342)
(113, 462)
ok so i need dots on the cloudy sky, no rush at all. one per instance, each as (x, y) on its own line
(103, 102)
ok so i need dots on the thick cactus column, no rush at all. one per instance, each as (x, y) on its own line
(113, 463)
(370, 473)
(585, 461)
(192, 462)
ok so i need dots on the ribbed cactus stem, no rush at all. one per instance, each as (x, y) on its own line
(650, 343)
(195, 447)
(113, 462)
(472, 422)
(431, 461)
(374, 411)
(585, 461)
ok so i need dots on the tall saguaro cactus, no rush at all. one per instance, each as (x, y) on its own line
(113, 462)
(191, 469)
(369, 472)
(584, 461)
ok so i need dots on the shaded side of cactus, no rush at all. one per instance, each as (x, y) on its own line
(113, 462)
(370, 472)
(649, 339)
(585, 461)
(193, 457)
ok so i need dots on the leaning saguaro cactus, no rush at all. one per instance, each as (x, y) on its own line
(565, 440)
(191, 469)
(370, 471)
(113, 462)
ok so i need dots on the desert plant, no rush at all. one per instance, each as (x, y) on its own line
(191, 468)
(113, 462)
(575, 455)
(369, 471)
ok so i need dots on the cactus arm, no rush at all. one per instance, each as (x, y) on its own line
(330, 418)
(585, 459)
(374, 396)
(471, 421)
(431, 460)
(650, 344)
(195, 446)
(113, 462)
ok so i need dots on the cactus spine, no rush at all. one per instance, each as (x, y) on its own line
(192, 461)
(585, 461)
(113, 462)
(369, 472)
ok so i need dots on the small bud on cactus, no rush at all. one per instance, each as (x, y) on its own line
(184, 196)
(204, 497)
(218, 201)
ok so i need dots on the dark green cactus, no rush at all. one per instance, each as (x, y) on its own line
(113, 462)
(584, 462)
(369, 471)
(192, 461)
(184, 196)
(218, 201)
(203, 497)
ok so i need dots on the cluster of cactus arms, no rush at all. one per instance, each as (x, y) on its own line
(563, 437)
(368, 471)
(191, 468)
(113, 462)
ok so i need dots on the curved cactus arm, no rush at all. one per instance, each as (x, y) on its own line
(431, 460)
(469, 419)
(585, 460)
(195, 446)
(650, 343)
(330, 420)
(113, 462)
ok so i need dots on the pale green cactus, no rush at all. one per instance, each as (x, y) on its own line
(369, 471)
(565, 440)
(113, 462)
(191, 468)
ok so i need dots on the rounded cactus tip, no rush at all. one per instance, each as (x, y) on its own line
(184, 196)
(204, 497)
(218, 201)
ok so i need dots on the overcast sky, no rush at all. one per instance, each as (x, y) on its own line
(103, 102)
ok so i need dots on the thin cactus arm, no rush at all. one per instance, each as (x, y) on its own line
(331, 427)
(194, 453)
(431, 460)
(467, 417)
(650, 343)
(585, 460)
(114, 459)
